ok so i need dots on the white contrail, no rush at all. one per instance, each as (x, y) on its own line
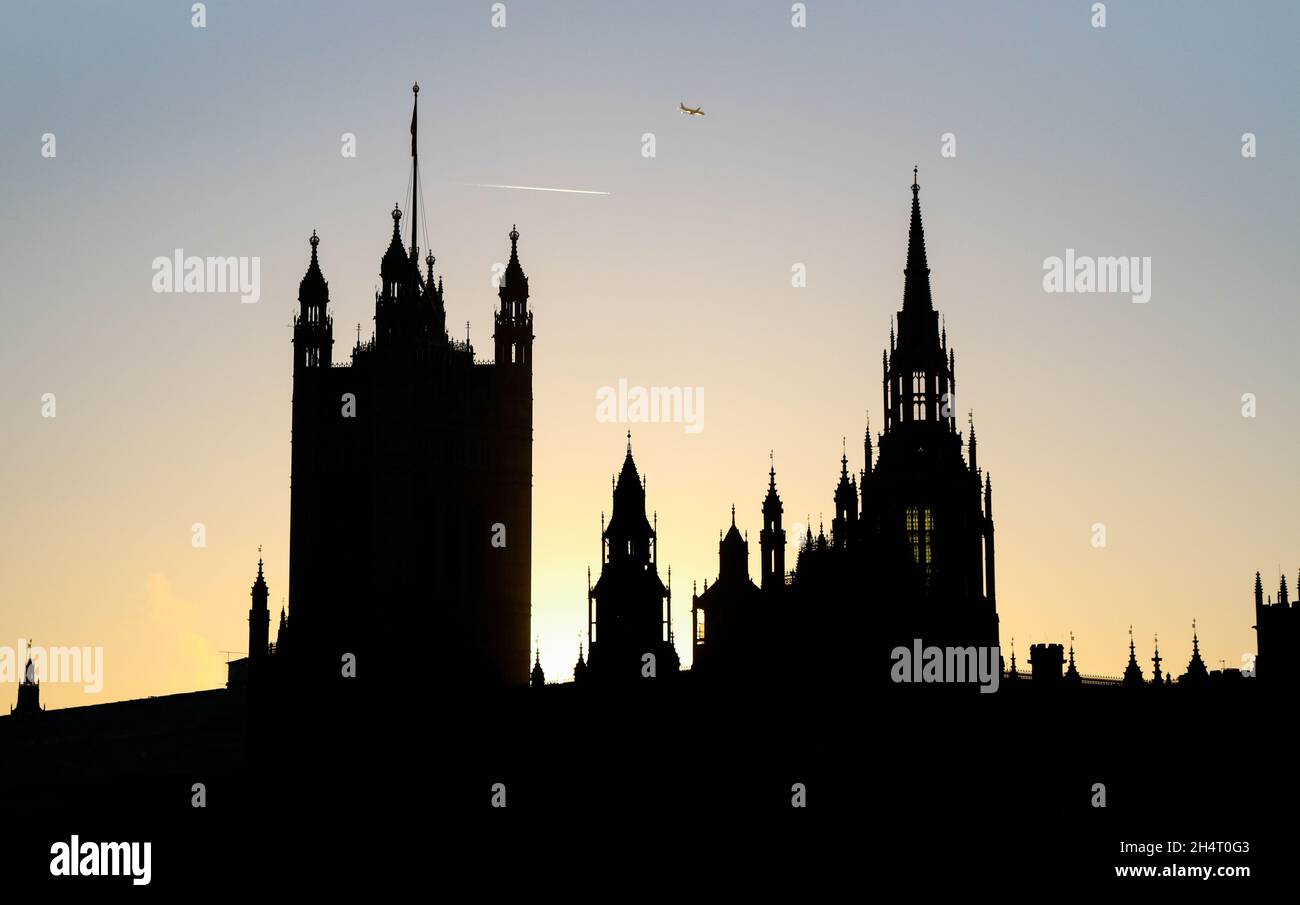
(531, 188)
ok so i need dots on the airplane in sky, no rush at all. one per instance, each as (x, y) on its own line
(690, 111)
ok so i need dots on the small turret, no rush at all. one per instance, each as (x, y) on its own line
(513, 334)
(580, 668)
(771, 539)
(538, 678)
(1196, 670)
(29, 691)
(733, 553)
(313, 328)
(395, 265)
(846, 501)
(1072, 674)
(259, 618)
(1132, 672)
(868, 453)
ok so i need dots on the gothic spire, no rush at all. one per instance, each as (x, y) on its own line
(580, 669)
(628, 532)
(970, 420)
(1196, 669)
(259, 584)
(1072, 673)
(866, 451)
(916, 286)
(514, 279)
(1132, 672)
(395, 264)
(771, 502)
(537, 679)
(313, 287)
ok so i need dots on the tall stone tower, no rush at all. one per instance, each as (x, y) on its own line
(927, 511)
(411, 500)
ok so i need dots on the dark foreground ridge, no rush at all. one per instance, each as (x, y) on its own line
(974, 781)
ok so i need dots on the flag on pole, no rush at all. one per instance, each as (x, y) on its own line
(414, 110)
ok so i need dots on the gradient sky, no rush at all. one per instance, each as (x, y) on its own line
(174, 409)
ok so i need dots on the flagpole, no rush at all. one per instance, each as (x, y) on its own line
(415, 180)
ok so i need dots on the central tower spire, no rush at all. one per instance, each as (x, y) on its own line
(916, 285)
(918, 373)
(921, 499)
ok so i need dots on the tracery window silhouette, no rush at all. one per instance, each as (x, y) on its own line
(919, 523)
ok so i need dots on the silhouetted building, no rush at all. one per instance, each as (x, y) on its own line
(1277, 635)
(538, 678)
(1196, 671)
(256, 663)
(580, 668)
(412, 477)
(29, 692)
(921, 497)
(1072, 677)
(259, 620)
(729, 618)
(771, 540)
(1132, 672)
(910, 554)
(1045, 662)
(632, 606)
